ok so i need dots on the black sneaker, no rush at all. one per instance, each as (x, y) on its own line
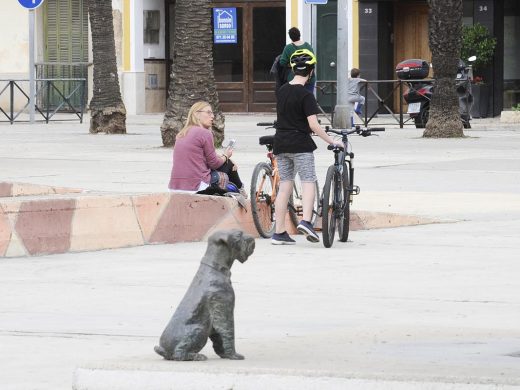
(307, 229)
(282, 239)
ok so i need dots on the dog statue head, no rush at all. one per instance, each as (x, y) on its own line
(226, 246)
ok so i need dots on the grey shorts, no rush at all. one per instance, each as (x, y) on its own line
(289, 164)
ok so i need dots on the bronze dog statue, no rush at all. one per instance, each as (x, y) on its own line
(207, 307)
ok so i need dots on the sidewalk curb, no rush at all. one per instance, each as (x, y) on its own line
(139, 379)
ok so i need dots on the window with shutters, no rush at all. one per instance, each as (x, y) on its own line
(65, 36)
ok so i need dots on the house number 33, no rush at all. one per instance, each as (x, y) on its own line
(368, 10)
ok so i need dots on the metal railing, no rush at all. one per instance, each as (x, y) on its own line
(326, 96)
(59, 70)
(384, 100)
(68, 96)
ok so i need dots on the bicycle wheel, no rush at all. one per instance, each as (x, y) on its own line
(262, 205)
(344, 220)
(328, 213)
(296, 202)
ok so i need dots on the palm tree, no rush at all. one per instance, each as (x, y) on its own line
(108, 113)
(445, 39)
(192, 73)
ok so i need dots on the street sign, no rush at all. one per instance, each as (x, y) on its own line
(315, 1)
(30, 4)
(224, 25)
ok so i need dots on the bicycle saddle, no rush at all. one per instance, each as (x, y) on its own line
(266, 140)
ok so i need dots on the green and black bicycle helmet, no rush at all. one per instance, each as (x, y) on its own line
(302, 59)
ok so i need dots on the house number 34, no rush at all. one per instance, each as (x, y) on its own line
(482, 8)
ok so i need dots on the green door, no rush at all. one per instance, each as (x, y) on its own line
(326, 35)
(65, 34)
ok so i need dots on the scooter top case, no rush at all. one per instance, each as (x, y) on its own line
(412, 69)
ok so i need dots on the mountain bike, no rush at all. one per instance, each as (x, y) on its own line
(339, 187)
(264, 189)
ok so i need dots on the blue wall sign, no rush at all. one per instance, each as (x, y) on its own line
(224, 25)
(315, 1)
(30, 4)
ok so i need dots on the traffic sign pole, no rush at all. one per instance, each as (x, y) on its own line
(32, 82)
(31, 5)
(343, 108)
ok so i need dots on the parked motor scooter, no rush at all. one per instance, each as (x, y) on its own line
(420, 90)
(464, 78)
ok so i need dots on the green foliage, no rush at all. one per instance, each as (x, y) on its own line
(516, 108)
(477, 41)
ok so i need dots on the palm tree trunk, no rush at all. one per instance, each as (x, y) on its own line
(445, 32)
(192, 73)
(108, 113)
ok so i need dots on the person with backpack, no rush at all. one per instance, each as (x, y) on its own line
(296, 44)
(279, 72)
(293, 146)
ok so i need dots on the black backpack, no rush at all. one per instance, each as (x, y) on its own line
(280, 72)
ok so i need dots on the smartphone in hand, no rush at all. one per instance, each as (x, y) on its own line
(231, 144)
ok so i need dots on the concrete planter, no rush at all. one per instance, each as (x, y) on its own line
(510, 117)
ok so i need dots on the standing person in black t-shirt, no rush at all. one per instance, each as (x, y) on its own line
(293, 146)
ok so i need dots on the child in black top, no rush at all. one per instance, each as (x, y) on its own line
(293, 146)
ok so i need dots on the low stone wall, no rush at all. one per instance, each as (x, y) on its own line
(89, 222)
(39, 220)
(8, 189)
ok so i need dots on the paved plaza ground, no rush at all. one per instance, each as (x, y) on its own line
(434, 306)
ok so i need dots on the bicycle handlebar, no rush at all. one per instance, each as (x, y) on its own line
(364, 132)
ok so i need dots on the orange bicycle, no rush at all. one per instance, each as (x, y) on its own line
(264, 188)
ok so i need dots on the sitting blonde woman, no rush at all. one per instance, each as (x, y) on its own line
(196, 165)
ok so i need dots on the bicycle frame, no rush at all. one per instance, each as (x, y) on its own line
(276, 182)
(339, 187)
(262, 196)
(275, 176)
(346, 157)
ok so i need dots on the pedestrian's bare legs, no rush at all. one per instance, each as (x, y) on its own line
(308, 195)
(280, 205)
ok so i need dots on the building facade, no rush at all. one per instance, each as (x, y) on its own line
(144, 35)
(380, 34)
(393, 30)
